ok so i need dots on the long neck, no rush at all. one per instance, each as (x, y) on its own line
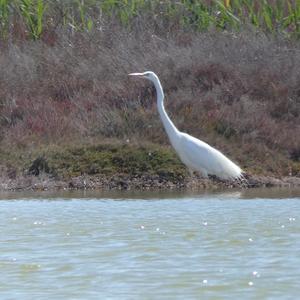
(168, 124)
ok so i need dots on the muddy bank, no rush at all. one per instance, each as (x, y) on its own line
(113, 167)
(144, 182)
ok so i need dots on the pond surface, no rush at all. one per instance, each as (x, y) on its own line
(235, 245)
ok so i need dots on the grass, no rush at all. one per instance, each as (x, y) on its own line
(96, 160)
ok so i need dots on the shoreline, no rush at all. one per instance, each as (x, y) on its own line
(124, 182)
(115, 167)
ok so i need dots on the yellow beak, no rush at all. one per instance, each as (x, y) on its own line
(136, 74)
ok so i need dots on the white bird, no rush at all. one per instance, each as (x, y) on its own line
(197, 155)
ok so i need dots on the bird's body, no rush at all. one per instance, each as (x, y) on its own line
(195, 154)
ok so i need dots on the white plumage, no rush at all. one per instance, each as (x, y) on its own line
(195, 154)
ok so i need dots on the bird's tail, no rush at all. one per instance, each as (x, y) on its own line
(242, 180)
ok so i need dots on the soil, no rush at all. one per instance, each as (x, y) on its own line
(44, 182)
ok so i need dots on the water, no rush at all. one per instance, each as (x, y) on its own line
(237, 245)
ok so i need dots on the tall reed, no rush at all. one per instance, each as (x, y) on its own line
(32, 12)
(274, 16)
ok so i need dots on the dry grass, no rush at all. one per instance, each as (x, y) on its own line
(239, 92)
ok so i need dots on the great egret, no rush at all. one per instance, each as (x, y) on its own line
(195, 154)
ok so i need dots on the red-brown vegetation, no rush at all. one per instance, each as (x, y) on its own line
(239, 92)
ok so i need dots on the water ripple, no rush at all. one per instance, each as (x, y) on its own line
(214, 248)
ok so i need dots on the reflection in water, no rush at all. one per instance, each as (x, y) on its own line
(272, 193)
(269, 193)
(85, 246)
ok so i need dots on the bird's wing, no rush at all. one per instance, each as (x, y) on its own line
(197, 152)
(203, 156)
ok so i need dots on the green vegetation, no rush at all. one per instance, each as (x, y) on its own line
(85, 15)
(102, 160)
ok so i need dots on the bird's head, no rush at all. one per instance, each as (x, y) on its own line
(148, 75)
